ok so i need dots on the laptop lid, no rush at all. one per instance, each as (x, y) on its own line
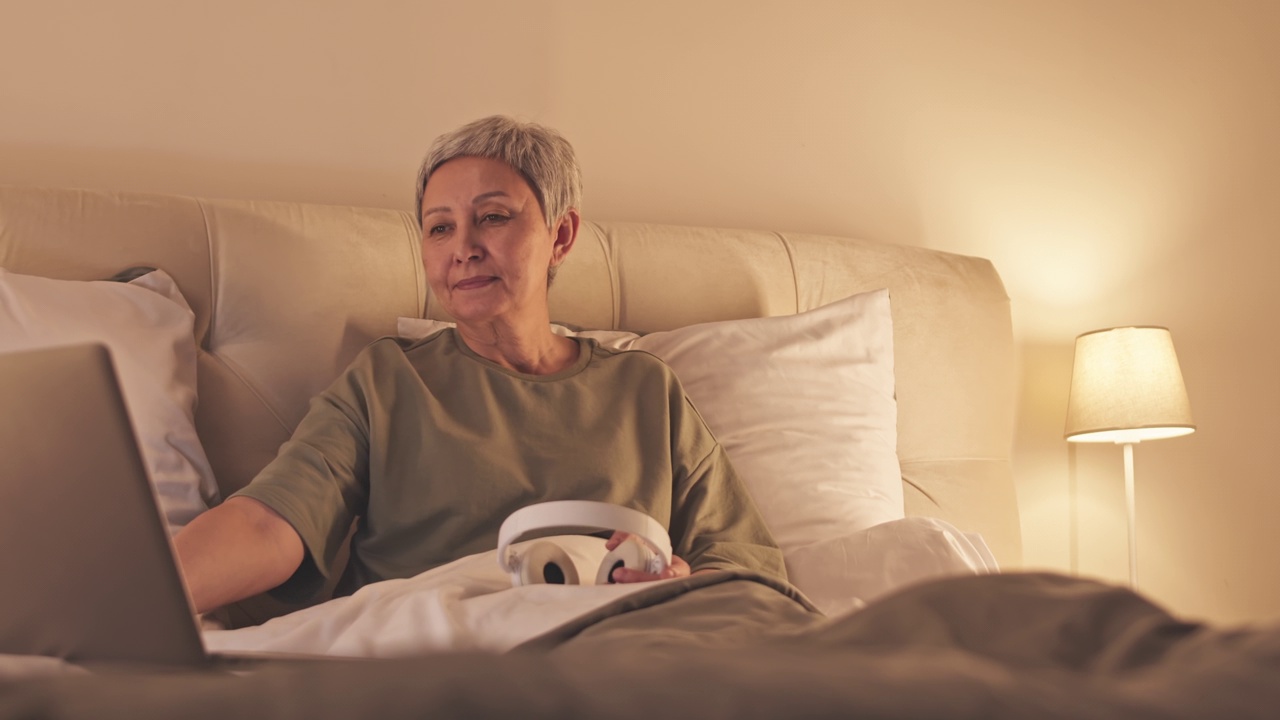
(86, 561)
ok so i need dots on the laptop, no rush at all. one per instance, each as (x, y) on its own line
(86, 561)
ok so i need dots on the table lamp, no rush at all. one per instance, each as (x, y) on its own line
(1126, 387)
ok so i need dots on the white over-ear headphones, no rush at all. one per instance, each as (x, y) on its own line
(648, 548)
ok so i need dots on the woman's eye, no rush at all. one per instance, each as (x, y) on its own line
(437, 229)
(494, 217)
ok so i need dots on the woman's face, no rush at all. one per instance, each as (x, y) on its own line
(485, 243)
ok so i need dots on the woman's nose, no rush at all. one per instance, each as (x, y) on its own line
(466, 248)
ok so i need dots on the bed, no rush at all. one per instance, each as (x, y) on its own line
(863, 390)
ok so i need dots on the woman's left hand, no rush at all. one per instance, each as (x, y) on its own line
(677, 568)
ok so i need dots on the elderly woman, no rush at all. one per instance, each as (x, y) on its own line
(429, 445)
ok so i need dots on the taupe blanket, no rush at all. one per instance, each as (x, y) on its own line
(997, 646)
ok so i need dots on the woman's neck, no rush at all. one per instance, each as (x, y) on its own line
(531, 350)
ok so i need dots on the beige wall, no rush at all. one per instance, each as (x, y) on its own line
(1119, 160)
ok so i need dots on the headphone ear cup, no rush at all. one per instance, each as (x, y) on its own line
(544, 563)
(630, 554)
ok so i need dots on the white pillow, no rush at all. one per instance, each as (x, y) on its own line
(803, 405)
(147, 325)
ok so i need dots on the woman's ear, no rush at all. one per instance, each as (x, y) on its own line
(566, 232)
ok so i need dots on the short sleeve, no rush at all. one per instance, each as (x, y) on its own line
(715, 523)
(319, 481)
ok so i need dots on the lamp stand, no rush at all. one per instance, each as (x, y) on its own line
(1133, 534)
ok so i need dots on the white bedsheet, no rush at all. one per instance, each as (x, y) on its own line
(843, 574)
(470, 605)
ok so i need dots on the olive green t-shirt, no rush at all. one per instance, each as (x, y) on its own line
(430, 447)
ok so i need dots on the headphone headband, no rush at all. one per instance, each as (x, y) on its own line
(580, 516)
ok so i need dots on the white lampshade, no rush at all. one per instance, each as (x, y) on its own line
(1126, 387)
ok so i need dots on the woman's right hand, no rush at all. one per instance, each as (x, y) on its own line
(677, 568)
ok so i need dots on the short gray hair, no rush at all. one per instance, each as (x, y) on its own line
(542, 155)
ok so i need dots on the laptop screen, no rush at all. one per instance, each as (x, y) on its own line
(85, 559)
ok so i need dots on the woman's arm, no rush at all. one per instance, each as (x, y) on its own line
(234, 551)
(715, 523)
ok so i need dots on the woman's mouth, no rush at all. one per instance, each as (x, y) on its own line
(472, 283)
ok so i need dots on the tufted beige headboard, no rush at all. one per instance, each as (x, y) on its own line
(285, 294)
